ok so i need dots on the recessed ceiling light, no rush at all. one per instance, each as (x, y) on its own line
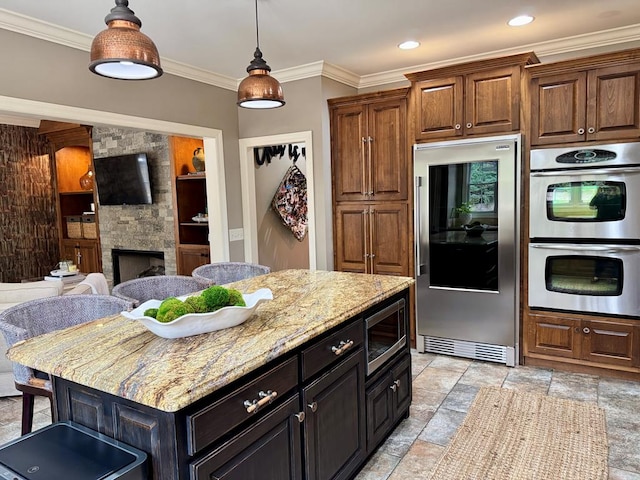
(520, 20)
(408, 45)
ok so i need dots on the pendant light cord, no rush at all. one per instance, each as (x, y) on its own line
(257, 35)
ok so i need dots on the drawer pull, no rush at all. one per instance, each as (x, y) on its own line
(265, 398)
(342, 347)
(313, 406)
(395, 385)
(300, 416)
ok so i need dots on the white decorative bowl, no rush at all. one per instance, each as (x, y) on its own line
(197, 323)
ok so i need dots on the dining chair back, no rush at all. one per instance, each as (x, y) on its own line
(158, 287)
(226, 272)
(44, 315)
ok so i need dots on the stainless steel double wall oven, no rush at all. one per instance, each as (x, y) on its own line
(584, 251)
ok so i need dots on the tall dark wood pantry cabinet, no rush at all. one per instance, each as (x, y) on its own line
(370, 173)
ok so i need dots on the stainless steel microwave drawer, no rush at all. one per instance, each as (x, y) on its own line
(331, 349)
(207, 425)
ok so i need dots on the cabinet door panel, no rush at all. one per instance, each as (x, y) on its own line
(387, 163)
(269, 449)
(610, 343)
(379, 411)
(401, 375)
(558, 108)
(389, 239)
(554, 336)
(351, 238)
(614, 108)
(348, 153)
(439, 108)
(492, 101)
(191, 257)
(335, 431)
(84, 253)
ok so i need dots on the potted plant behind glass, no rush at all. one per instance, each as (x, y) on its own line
(464, 213)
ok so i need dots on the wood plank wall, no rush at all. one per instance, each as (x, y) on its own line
(28, 231)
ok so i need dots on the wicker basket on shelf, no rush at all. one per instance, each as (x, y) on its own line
(89, 229)
(74, 226)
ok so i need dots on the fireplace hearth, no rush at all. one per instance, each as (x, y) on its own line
(130, 264)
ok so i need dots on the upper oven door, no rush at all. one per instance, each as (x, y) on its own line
(595, 203)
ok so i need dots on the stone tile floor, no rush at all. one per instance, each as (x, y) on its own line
(443, 389)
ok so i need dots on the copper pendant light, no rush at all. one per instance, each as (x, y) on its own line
(259, 89)
(122, 51)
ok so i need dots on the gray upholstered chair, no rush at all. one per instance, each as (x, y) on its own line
(159, 287)
(44, 315)
(227, 272)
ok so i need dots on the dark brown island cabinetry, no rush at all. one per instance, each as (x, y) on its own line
(588, 99)
(189, 200)
(476, 98)
(311, 414)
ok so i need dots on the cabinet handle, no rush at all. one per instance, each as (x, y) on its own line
(342, 347)
(395, 385)
(591, 130)
(469, 125)
(253, 406)
(300, 416)
(457, 127)
(313, 406)
(581, 131)
(586, 330)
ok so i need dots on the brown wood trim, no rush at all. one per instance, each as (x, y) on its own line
(522, 59)
(614, 59)
(370, 97)
(580, 366)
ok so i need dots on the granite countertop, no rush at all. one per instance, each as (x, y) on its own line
(121, 357)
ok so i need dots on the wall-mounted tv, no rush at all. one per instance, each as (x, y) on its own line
(123, 179)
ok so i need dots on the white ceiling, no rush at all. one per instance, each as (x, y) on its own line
(214, 40)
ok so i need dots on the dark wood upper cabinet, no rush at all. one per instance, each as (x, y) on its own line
(476, 98)
(369, 147)
(589, 99)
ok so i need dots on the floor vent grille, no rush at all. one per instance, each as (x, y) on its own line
(461, 348)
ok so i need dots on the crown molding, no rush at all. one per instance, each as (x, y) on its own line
(575, 44)
(53, 33)
(17, 23)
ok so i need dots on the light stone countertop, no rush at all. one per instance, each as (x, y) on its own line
(121, 357)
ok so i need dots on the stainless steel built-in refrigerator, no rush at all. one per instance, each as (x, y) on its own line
(467, 247)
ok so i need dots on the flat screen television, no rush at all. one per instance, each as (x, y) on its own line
(123, 179)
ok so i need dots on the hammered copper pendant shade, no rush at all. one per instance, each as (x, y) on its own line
(259, 89)
(122, 51)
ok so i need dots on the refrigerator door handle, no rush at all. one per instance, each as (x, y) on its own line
(417, 222)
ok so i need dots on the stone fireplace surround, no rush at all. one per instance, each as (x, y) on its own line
(138, 227)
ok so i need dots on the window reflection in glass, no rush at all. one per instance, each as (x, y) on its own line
(586, 201)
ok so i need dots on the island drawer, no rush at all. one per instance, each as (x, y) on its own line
(331, 349)
(210, 423)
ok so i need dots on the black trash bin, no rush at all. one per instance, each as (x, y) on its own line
(68, 451)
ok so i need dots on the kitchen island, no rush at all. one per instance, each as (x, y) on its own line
(234, 401)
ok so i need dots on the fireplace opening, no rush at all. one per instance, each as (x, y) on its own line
(130, 264)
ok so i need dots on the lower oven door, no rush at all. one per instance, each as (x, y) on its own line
(585, 278)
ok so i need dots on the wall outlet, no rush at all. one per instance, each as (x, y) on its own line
(236, 234)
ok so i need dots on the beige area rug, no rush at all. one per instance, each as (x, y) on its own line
(515, 435)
